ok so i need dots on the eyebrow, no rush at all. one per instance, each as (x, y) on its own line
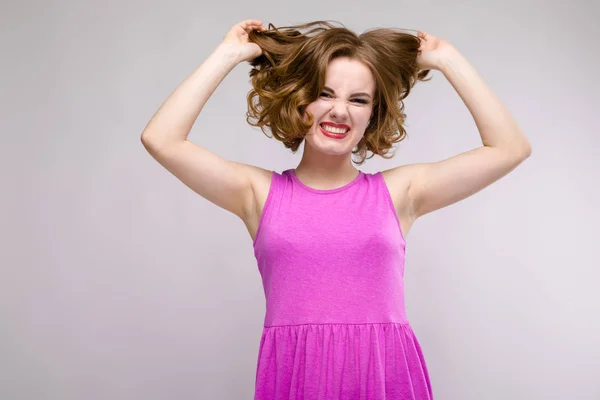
(353, 94)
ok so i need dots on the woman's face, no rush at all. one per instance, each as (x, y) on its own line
(344, 107)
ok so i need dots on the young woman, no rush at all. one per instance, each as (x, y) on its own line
(328, 238)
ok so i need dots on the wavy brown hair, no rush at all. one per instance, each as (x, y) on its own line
(290, 74)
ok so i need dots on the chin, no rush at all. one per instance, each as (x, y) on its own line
(332, 149)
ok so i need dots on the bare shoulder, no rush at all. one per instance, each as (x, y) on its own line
(398, 181)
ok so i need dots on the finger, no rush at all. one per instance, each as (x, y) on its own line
(250, 22)
(251, 25)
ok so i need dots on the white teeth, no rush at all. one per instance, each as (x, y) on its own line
(339, 131)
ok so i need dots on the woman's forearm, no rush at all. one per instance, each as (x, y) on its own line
(496, 125)
(176, 116)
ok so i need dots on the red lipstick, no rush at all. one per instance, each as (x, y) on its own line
(335, 135)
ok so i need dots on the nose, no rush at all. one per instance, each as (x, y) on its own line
(339, 109)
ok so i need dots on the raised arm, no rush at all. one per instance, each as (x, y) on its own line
(504, 146)
(227, 184)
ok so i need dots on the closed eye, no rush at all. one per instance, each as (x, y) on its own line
(361, 101)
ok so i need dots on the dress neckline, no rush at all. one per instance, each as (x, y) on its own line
(326, 191)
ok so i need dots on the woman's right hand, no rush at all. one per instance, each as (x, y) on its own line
(236, 40)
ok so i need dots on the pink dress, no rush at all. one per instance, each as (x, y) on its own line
(332, 267)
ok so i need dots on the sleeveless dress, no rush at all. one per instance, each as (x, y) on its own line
(332, 267)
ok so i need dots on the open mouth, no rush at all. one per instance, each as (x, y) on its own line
(330, 130)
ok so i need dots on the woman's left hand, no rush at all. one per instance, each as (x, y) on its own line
(433, 51)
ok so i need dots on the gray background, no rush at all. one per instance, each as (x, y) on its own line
(119, 282)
